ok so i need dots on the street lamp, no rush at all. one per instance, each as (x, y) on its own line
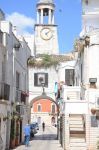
(43, 84)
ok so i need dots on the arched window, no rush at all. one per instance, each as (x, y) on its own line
(53, 108)
(39, 107)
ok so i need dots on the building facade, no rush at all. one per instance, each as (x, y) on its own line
(44, 78)
(79, 104)
(14, 53)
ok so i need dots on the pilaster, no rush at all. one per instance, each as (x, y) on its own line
(41, 16)
(38, 18)
(49, 19)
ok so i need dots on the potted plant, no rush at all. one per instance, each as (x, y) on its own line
(17, 133)
(93, 111)
(12, 134)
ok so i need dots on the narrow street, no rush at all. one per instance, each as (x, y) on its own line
(46, 140)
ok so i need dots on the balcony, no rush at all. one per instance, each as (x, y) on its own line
(20, 109)
(4, 91)
(21, 96)
(71, 93)
(72, 102)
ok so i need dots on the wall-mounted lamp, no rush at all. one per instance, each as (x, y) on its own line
(92, 80)
(17, 46)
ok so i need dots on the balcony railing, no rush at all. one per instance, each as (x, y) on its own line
(21, 96)
(4, 91)
(20, 109)
(71, 93)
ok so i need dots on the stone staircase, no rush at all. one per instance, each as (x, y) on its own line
(77, 132)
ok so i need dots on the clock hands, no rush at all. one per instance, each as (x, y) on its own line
(47, 33)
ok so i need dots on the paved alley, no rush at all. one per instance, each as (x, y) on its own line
(46, 140)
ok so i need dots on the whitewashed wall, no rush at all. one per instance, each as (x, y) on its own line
(63, 67)
(14, 61)
(37, 91)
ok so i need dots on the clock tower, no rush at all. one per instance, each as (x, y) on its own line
(46, 38)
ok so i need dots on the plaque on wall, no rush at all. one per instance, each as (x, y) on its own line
(94, 122)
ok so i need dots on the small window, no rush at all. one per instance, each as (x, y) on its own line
(39, 107)
(17, 80)
(53, 108)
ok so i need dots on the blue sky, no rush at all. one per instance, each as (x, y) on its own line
(67, 17)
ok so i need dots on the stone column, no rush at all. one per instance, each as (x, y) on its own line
(41, 16)
(38, 15)
(49, 19)
(53, 17)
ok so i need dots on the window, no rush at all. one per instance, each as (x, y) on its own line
(40, 78)
(69, 77)
(1, 37)
(18, 92)
(17, 80)
(81, 72)
(39, 107)
(53, 108)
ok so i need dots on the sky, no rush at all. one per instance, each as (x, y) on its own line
(22, 13)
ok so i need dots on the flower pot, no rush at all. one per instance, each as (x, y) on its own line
(93, 111)
(16, 141)
(12, 143)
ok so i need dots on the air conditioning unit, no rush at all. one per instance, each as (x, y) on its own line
(97, 102)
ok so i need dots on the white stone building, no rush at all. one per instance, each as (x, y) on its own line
(80, 111)
(14, 53)
(46, 44)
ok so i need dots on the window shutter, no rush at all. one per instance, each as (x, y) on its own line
(35, 79)
(46, 79)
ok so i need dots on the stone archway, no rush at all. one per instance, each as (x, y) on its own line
(44, 96)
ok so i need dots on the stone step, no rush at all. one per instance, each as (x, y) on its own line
(75, 118)
(77, 140)
(76, 129)
(76, 125)
(75, 122)
(77, 135)
(78, 144)
(75, 132)
(78, 148)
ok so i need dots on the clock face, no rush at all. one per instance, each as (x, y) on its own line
(46, 33)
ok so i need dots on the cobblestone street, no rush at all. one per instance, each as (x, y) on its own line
(46, 140)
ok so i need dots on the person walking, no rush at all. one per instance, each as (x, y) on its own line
(27, 134)
(43, 126)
